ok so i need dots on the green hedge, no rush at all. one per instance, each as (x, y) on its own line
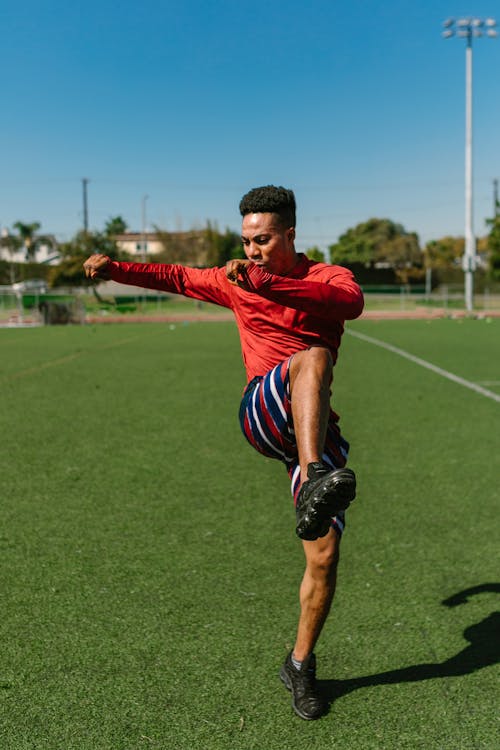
(33, 300)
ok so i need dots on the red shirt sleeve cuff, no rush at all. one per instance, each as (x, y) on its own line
(257, 278)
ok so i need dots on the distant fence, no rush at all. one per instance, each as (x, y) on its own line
(17, 308)
(72, 306)
(445, 297)
(392, 289)
(10, 305)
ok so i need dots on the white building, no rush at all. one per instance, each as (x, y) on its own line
(139, 244)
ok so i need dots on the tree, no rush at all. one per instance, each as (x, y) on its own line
(494, 247)
(378, 243)
(114, 226)
(69, 272)
(445, 253)
(222, 247)
(199, 247)
(357, 245)
(12, 244)
(187, 248)
(314, 253)
(31, 240)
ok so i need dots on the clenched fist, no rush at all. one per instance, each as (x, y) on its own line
(235, 271)
(97, 267)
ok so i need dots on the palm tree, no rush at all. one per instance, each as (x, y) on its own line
(27, 235)
(12, 244)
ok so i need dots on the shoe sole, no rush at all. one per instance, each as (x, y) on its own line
(286, 682)
(338, 490)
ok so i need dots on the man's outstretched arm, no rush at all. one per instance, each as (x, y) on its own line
(207, 284)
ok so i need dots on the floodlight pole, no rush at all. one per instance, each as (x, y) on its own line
(467, 28)
(469, 259)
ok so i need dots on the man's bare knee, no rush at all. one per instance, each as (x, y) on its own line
(320, 355)
(317, 359)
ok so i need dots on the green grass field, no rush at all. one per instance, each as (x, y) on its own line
(150, 567)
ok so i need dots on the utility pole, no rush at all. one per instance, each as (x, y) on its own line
(144, 242)
(85, 182)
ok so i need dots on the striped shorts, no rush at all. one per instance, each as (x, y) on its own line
(267, 423)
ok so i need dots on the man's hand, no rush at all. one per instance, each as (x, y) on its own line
(235, 271)
(97, 267)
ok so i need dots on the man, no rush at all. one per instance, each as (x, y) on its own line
(290, 313)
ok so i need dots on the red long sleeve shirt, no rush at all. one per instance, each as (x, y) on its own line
(276, 315)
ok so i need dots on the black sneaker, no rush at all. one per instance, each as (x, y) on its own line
(306, 701)
(321, 497)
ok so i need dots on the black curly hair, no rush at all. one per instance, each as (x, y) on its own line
(273, 200)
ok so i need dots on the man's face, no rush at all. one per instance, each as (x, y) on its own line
(267, 244)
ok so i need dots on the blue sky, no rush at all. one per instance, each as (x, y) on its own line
(357, 106)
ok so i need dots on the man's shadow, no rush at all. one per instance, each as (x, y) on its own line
(483, 651)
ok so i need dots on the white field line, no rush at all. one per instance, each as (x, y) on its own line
(428, 365)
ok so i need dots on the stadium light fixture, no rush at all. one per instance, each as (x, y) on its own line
(469, 28)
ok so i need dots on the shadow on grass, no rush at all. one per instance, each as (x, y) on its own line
(483, 651)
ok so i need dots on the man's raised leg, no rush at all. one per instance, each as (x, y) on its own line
(310, 378)
(324, 491)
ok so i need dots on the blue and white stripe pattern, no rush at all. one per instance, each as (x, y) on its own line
(267, 423)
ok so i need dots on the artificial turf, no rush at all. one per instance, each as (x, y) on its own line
(149, 563)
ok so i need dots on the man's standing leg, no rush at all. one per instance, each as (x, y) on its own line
(316, 595)
(316, 591)
(310, 377)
